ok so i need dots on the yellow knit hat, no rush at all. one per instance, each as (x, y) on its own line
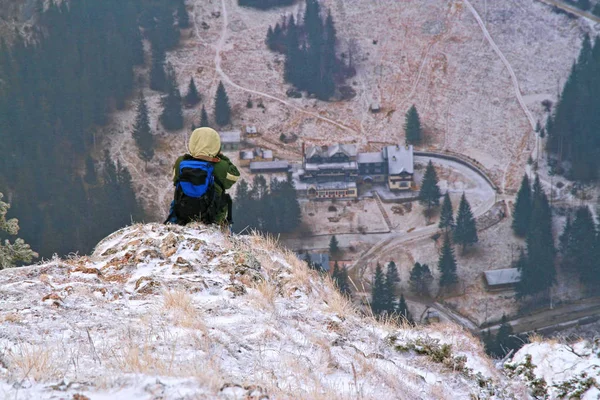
(204, 142)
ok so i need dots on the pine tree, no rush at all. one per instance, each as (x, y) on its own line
(505, 340)
(565, 239)
(204, 118)
(91, 178)
(465, 232)
(447, 214)
(378, 292)
(420, 279)
(244, 222)
(522, 265)
(489, 343)
(340, 279)
(327, 84)
(522, 208)
(292, 213)
(391, 279)
(334, 248)
(270, 41)
(158, 77)
(335, 273)
(192, 97)
(172, 115)
(447, 264)
(292, 56)
(539, 272)
(343, 283)
(222, 108)
(581, 251)
(141, 131)
(402, 310)
(430, 192)
(183, 18)
(412, 126)
(12, 253)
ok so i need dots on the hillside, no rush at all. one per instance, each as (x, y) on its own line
(192, 312)
(478, 87)
(189, 312)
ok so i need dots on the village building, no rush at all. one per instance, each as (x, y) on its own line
(251, 131)
(400, 167)
(269, 167)
(498, 280)
(256, 154)
(372, 167)
(230, 140)
(330, 172)
(335, 163)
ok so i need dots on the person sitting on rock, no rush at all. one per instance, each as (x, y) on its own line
(201, 178)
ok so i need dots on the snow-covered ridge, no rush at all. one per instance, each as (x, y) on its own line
(189, 312)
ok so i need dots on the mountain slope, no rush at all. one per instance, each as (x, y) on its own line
(188, 312)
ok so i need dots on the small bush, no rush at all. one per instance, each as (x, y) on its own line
(293, 93)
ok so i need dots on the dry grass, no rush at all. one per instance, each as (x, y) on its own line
(35, 362)
(12, 318)
(179, 303)
(265, 294)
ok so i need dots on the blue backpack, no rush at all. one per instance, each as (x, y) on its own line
(195, 195)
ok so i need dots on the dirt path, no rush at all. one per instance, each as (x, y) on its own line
(386, 217)
(515, 81)
(228, 80)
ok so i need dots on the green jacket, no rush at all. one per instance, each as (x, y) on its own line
(205, 144)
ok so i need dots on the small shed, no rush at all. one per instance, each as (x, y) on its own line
(251, 131)
(375, 107)
(269, 166)
(230, 140)
(246, 157)
(501, 279)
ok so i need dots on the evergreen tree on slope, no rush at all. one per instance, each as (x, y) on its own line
(158, 77)
(447, 264)
(141, 131)
(391, 279)
(420, 279)
(522, 208)
(183, 19)
(446, 214)
(430, 193)
(172, 115)
(222, 108)
(203, 118)
(402, 310)
(465, 232)
(378, 299)
(540, 272)
(582, 245)
(412, 126)
(192, 97)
